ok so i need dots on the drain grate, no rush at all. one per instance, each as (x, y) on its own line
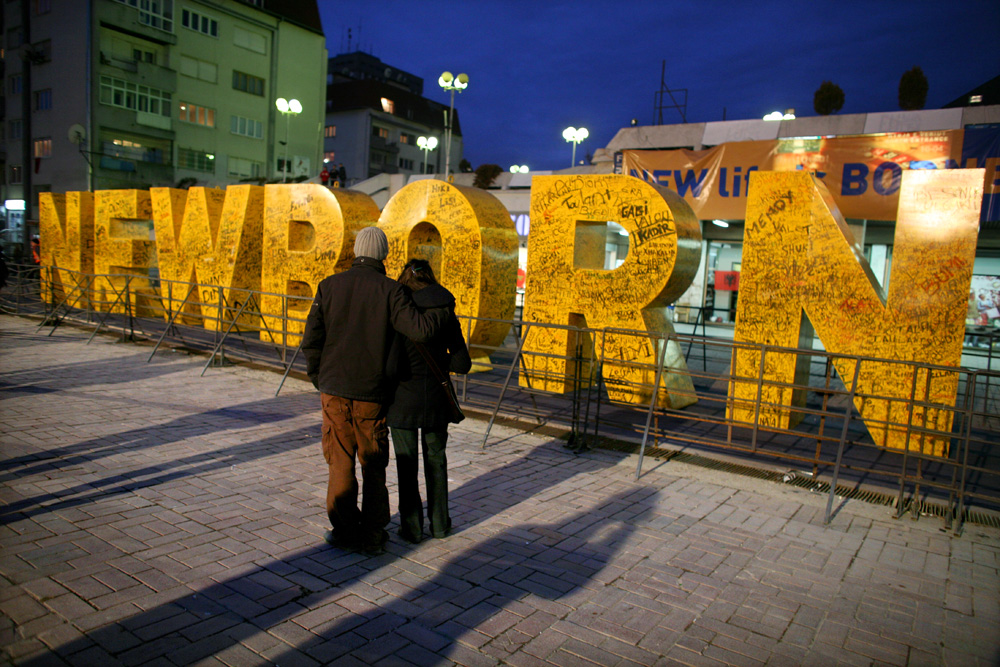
(975, 517)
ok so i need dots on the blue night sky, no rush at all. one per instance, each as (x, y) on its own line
(538, 66)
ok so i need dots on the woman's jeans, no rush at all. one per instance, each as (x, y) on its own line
(411, 516)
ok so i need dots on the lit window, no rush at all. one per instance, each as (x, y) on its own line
(330, 131)
(387, 105)
(191, 113)
(975, 99)
(43, 147)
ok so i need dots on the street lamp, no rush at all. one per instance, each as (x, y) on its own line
(427, 144)
(288, 108)
(575, 136)
(519, 169)
(452, 83)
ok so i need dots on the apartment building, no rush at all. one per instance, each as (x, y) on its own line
(375, 114)
(106, 94)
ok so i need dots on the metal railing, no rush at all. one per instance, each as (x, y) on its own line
(829, 449)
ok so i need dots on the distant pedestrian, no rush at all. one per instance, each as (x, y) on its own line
(419, 410)
(347, 341)
(324, 176)
(342, 175)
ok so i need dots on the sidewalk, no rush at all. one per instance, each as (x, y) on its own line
(149, 516)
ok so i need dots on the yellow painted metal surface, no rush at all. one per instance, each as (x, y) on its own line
(469, 239)
(208, 236)
(123, 244)
(800, 258)
(66, 244)
(308, 234)
(568, 285)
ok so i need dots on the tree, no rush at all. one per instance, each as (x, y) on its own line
(465, 166)
(912, 90)
(486, 174)
(828, 98)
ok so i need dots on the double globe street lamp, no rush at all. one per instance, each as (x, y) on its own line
(452, 83)
(575, 136)
(288, 108)
(426, 144)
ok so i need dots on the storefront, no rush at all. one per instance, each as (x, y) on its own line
(863, 175)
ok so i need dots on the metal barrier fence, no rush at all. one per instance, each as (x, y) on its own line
(828, 450)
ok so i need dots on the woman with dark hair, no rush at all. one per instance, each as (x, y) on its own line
(421, 404)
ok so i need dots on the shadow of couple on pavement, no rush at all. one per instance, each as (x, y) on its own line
(321, 604)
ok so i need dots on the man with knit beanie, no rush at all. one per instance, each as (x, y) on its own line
(349, 333)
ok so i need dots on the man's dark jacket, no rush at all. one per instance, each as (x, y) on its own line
(350, 330)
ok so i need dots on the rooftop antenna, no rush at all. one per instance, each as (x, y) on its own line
(348, 40)
(658, 99)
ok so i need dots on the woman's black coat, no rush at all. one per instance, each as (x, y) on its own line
(419, 401)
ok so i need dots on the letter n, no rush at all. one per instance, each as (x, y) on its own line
(568, 285)
(800, 261)
(66, 231)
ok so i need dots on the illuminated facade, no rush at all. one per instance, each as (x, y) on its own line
(128, 94)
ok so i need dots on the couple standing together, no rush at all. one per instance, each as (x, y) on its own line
(369, 343)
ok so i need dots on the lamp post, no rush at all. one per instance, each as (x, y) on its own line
(519, 169)
(288, 108)
(575, 136)
(452, 83)
(427, 144)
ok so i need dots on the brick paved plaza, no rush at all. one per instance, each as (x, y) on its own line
(152, 517)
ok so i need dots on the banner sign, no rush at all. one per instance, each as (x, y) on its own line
(862, 172)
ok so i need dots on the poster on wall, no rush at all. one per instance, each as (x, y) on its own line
(984, 301)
